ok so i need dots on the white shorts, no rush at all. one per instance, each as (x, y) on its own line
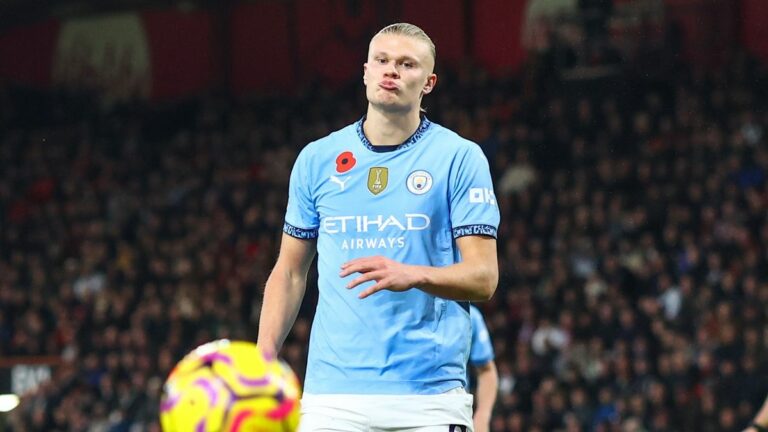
(446, 412)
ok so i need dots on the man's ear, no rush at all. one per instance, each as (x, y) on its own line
(429, 85)
(365, 73)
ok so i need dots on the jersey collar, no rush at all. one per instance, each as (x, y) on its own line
(424, 125)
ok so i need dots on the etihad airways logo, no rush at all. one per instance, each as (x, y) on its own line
(377, 223)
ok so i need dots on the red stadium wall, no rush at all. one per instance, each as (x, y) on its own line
(261, 54)
(447, 28)
(26, 53)
(332, 38)
(497, 28)
(182, 52)
(754, 30)
(272, 46)
(708, 29)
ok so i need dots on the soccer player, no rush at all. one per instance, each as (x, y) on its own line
(760, 422)
(481, 358)
(402, 214)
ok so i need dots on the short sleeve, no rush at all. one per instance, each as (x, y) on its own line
(481, 351)
(474, 210)
(301, 219)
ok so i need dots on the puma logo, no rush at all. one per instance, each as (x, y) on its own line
(342, 183)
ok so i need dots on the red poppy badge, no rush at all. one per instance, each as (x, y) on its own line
(345, 162)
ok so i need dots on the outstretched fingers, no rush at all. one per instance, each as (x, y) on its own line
(376, 268)
(379, 286)
(369, 276)
(360, 265)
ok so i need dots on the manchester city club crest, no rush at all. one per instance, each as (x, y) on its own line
(377, 179)
(419, 182)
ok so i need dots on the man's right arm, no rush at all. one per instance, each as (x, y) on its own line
(485, 395)
(284, 291)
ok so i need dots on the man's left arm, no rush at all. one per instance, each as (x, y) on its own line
(474, 278)
(485, 395)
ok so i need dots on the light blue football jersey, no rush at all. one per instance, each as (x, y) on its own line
(481, 350)
(482, 347)
(407, 202)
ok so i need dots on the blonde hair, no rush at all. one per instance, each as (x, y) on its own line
(410, 30)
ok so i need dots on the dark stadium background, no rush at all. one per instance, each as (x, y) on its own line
(145, 148)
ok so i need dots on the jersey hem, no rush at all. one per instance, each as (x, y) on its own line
(335, 386)
(481, 361)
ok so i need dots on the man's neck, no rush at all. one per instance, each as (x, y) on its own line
(389, 128)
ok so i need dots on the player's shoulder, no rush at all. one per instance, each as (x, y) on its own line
(450, 140)
(328, 149)
(341, 138)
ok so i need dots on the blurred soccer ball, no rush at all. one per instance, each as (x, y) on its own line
(230, 386)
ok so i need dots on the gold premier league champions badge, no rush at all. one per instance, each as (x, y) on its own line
(377, 179)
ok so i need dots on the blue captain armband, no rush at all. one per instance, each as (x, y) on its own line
(299, 233)
(468, 230)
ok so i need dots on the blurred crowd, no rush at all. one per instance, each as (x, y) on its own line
(632, 246)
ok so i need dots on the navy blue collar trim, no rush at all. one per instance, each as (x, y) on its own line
(420, 131)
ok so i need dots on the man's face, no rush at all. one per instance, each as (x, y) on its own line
(398, 72)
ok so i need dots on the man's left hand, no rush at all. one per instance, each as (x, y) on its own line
(388, 274)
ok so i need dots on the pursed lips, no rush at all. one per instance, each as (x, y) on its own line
(388, 85)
